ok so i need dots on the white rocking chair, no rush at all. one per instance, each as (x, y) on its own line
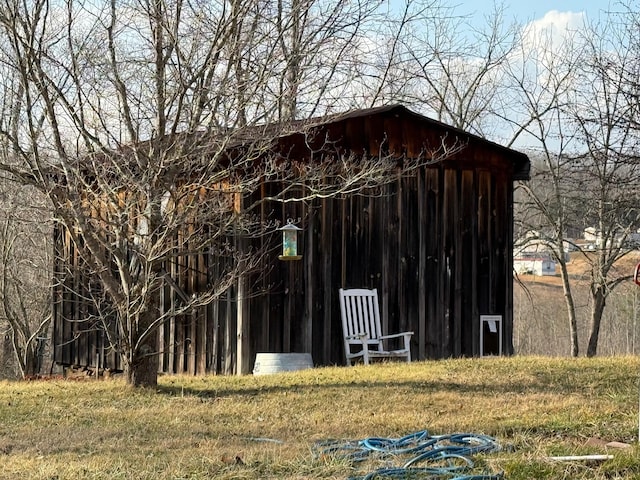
(361, 327)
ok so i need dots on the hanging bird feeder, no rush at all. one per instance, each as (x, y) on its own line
(290, 242)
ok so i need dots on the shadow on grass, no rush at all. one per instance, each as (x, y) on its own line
(538, 383)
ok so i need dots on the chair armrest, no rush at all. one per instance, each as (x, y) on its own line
(359, 337)
(396, 335)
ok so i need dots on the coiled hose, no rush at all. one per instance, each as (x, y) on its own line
(445, 456)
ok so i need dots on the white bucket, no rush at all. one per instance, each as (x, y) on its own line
(267, 363)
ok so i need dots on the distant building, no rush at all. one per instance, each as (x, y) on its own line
(590, 234)
(533, 255)
(593, 240)
(534, 264)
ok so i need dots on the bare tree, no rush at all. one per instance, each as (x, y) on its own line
(582, 116)
(608, 170)
(458, 71)
(543, 80)
(25, 253)
(25, 245)
(146, 125)
(316, 42)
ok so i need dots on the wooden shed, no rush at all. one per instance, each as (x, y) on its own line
(437, 244)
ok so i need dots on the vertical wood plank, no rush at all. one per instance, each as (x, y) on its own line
(435, 315)
(202, 338)
(448, 266)
(484, 243)
(230, 341)
(180, 334)
(162, 348)
(242, 315)
(503, 283)
(327, 255)
(422, 266)
(508, 313)
(242, 319)
(308, 275)
(468, 247)
(78, 351)
(191, 273)
(266, 273)
(171, 356)
(213, 357)
(343, 239)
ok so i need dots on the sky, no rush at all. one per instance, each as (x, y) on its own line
(557, 17)
(529, 10)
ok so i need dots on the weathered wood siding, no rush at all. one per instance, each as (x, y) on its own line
(437, 244)
(79, 335)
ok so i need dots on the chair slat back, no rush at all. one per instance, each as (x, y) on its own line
(360, 312)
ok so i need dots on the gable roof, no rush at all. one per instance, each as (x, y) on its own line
(403, 132)
(520, 161)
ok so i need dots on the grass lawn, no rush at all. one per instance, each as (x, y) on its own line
(269, 426)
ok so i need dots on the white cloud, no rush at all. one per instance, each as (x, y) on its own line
(554, 29)
(566, 20)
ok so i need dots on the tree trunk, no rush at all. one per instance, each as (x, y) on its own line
(25, 354)
(30, 359)
(142, 370)
(598, 296)
(571, 309)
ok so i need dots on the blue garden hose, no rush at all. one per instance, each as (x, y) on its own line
(421, 474)
(451, 450)
(411, 443)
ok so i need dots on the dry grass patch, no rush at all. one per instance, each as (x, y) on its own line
(266, 427)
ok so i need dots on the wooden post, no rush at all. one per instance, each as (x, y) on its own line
(191, 272)
(242, 316)
(422, 266)
(201, 318)
(242, 313)
(230, 348)
(327, 286)
(308, 286)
